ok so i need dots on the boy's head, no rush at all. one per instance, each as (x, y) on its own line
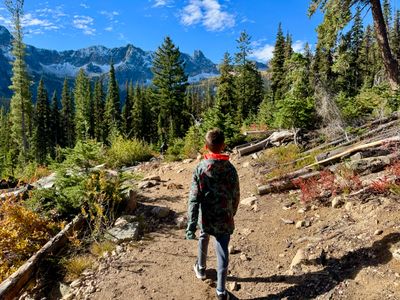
(215, 140)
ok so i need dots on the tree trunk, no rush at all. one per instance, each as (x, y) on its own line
(389, 62)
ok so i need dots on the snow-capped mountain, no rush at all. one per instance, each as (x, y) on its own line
(130, 62)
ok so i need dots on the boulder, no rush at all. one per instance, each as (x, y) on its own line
(123, 220)
(368, 165)
(45, 182)
(160, 211)
(249, 201)
(124, 233)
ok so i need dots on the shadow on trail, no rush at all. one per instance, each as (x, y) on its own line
(336, 270)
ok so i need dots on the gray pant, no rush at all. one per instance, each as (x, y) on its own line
(221, 250)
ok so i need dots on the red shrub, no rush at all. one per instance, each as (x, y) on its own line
(382, 185)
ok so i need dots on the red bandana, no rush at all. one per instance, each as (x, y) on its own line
(216, 156)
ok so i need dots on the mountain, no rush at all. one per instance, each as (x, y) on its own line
(130, 62)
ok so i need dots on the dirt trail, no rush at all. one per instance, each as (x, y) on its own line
(353, 259)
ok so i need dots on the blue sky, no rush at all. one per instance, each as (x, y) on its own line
(209, 25)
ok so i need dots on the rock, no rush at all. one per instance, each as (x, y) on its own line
(378, 232)
(233, 286)
(244, 257)
(174, 186)
(123, 220)
(180, 171)
(160, 211)
(300, 224)
(255, 156)
(64, 290)
(76, 283)
(69, 296)
(181, 222)
(356, 156)
(249, 201)
(233, 250)
(348, 206)
(187, 161)
(125, 233)
(396, 254)
(246, 164)
(337, 202)
(298, 259)
(147, 184)
(287, 221)
(45, 182)
(152, 178)
(301, 211)
(131, 201)
(119, 249)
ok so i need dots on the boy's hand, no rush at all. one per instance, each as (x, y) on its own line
(190, 235)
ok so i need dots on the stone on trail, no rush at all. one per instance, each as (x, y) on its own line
(123, 220)
(287, 221)
(396, 254)
(249, 201)
(181, 222)
(233, 286)
(147, 184)
(300, 224)
(187, 161)
(337, 202)
(152, 178)
(246, 164)
(298, 259)
(378, 232)
(125, 233)
(160, 211)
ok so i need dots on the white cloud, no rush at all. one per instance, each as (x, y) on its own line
(298, 46)
(264, 53)
(160, 3)
(84, 23)
(109, 14)
(109, 28)
(29, 20)
(207, 12)
(84, 5)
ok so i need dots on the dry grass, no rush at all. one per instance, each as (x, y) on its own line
(99, 248)
(76, 265)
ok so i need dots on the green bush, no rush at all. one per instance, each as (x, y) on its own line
(175, 150)
(193, 142)
(125, 152)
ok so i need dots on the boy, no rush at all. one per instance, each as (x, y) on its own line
(214, 199)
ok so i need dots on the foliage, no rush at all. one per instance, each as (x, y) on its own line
(312, 188)
(31, 172)
(175, 150)
(194, 142)
(75, 265)
(99, 248)
(112, 118)
(127, 152)
(22, 233)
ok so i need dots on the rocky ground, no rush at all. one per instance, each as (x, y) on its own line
(281, 249)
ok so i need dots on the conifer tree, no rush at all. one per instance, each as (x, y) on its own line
(170, 83)
(67, 117)
(56, 128)
(82, 106)
(42, 132)
(277, 66)
(127, 110)
(98, 111)
(288, 47)
(248, 81)
(395, 36)
(21, 105)
(112, 110)
(225, 87)
(137, 114)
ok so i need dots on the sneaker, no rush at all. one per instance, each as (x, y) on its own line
(200, 272)
(224, 296)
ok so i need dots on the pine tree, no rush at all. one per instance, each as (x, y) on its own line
(82, 106)
(67, 117)
(56, 128)
(112, 113)
(288, 46)
(387, 14)
(42, 132)
(225, 88)
(137, 114)
(170, 83)
(98, 111)
(127, 110)
(395, 36)
(277, 66)
(21, 105)
(248, 81)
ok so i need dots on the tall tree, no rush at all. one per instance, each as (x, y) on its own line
(248, 81)
(56, 128)
(226, 86)
(127, 110)
(170, 83)
(21, 105)
(277, 65)
(112, 113)
(98, 111)
(82, 106)
(337, 14)
(67, 117)
(42, 132)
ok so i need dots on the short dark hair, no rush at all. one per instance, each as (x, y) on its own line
(215, 139)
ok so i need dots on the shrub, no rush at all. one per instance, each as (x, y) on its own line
(175, 150)
(31, 172)
(125, 152)
(76, 265)
(312, 188)
(22, 233)
(99, 248)
(193, 142)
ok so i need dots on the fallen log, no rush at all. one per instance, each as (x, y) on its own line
(258, 132)
(13, 285)
(345, 153)
(253, 148)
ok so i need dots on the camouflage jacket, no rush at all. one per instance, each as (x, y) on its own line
(214, 196)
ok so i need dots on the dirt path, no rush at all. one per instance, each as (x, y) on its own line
(346, 257)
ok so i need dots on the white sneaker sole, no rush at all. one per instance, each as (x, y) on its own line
(198, 275)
